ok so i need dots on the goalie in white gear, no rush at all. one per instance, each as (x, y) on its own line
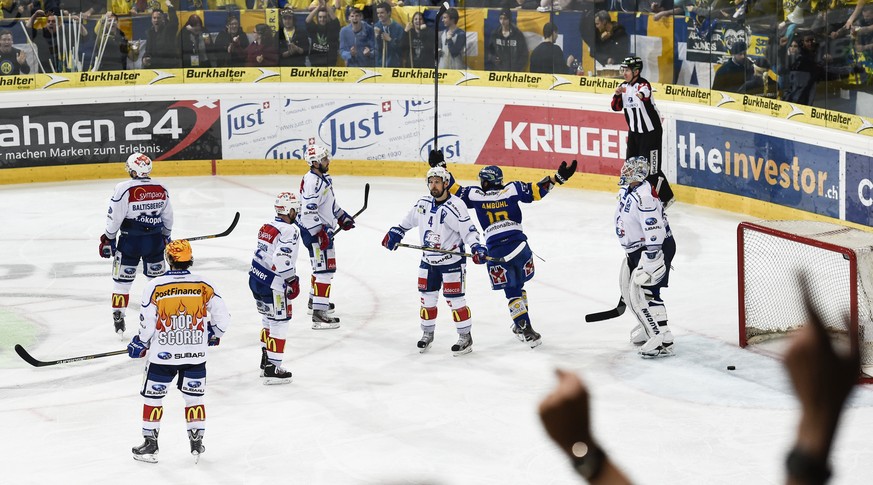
(274, 283)
(140, 210)
(644, 233)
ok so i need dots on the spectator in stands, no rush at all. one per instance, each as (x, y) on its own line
(195, 43)
(12, 61)
(453, 42)
(737, 74)
(554, 5)
(323, 34)
(612, 43)
(388, 37)
(293, 42)
(231, 44)
(668, 8)
(417, 48)
(262, 51)
(116, 49)
(507, 49)
(89, 8)
(357, 41)
(548, 58)
(822, 379)
(161, 50)
(44, 39)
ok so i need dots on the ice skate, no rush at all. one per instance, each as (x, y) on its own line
(322, 321)
(329, 311)
(660, 345)
(118, 320)
(527, 334)
(274, 374)
(263, 360)
(424, 343)
(464, 345)
(148, 450)
(195, 437)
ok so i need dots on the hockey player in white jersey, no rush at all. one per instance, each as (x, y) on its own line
(319, 218)
(274, 283)
(443, 223)
(181, 315)
(140, 209)
(644, 233)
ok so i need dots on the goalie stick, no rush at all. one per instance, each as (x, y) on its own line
(220, 234)
(42, 363)
(446, 251)
(608, 314)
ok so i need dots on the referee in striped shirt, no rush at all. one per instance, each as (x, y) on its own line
(634, 96)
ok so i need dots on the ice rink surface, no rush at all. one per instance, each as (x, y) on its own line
(365, 407)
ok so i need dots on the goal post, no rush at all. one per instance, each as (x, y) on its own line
(837, 262)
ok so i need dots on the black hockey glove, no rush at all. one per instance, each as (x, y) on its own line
(564, 172)
(436, 159)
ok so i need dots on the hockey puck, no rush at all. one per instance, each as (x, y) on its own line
(730, 367)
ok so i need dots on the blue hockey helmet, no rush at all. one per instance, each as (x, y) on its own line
(490, 177)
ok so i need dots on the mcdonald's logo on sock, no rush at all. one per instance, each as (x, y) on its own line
(152, 413)
(195, 413)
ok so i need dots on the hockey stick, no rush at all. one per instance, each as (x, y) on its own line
(608, 314)
(42, 363)
(220, 234)
(436, 71)
(366, 198)
(446, 251)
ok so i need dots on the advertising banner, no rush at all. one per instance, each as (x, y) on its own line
(93, 133)
(859, 189)
(767, 168)
(386, 128)
(524, 136)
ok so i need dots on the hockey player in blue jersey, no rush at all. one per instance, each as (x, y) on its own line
(497, 208)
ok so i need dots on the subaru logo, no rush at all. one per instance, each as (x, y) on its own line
(651, 221)
(159, 387)
(311, 206)
(290, 149)
(194, 384)
(351, 127)
(245, 119)
(164, 356)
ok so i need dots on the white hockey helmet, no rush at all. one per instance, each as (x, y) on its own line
(635, 169)
(286, 202)
(315, 154)
(440, 172)
(140, 164)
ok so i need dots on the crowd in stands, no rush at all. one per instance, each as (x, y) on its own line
(786, 49)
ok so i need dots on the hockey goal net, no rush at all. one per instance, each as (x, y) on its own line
(838, 264)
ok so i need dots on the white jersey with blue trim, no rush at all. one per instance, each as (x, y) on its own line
(139, 206)
(275, 260)
(445, 225)
(639, 219)
(319, 203)
(177, 309)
